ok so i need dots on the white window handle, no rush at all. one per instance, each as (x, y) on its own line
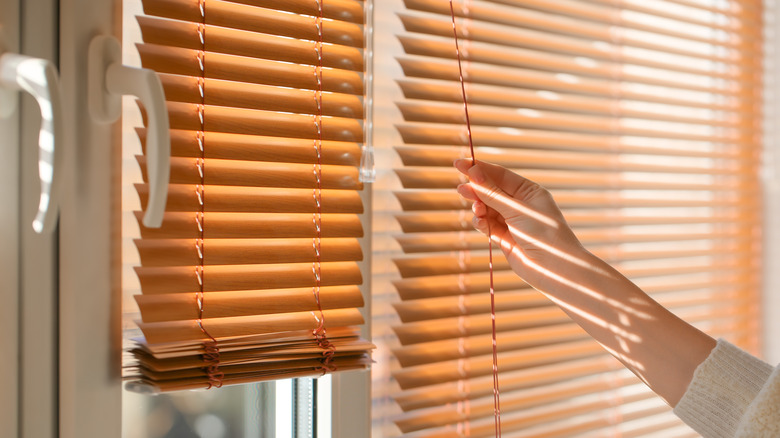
(108, 81)
(39, 78)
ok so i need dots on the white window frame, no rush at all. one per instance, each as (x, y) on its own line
(771, 183)
(28, 261)
(90, 293)
(90, 331)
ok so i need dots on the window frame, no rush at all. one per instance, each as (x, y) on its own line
(88, 358)
(771, 182)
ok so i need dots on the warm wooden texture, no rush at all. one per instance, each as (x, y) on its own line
(608, 21)
(182, 279)
(182, 225)
(260, 97)
(178, 331)
(526, 77)
(545, 61)
(545, 41)
(218, 119)
(254, 273)
(565, 179)
(522, 98)
(180, 61)
(245, 17)
(259, 174)
(226, 199)
(460, 221)
(717, 163)
(240, 147)
(251, 44)
(346, 10)
(521, 118)
(174, 307)
(183, 252)
(550, 139)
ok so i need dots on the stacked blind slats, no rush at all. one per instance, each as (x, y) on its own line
(261, 107)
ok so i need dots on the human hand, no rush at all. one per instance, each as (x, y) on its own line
(522, 218)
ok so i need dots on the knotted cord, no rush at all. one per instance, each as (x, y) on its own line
(319, 333)
(210, 355)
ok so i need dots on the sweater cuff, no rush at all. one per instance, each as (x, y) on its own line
(722, 388)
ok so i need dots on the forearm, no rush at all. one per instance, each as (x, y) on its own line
(657, 346)
(523, 220)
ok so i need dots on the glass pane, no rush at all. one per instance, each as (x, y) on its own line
(233, 411)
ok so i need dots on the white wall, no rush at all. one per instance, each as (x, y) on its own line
(771, 296)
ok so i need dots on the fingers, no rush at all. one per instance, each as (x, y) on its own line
(463, 165)
(482, 187)
(506, 192)
(479, 209)
(467, 192)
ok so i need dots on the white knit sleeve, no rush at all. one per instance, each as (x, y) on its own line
(722, 390)
(762, 419)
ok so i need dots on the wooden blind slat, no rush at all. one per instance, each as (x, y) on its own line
(346, 10)
(467, 346)
(544, 41)
(176, 331)
(420, 155)
(465, 284)
(245, 17)
(181, 252)
(439, 242)
(449, 371)
(266, 123)
(174, 307)
(259, 174)
(419, 327)
(513, 401)
(446, 69)
(181, 279)
(438, 221)
(692, 14)
(444, 393)
(260, 97)
(610, 22)
(256, 199)
(514, 97)
(259, 148)
(182, 225)
(431, 200)
(535, 138)
(524, 58)
(536, 119)
(179, 61)
(251, 44)
(450, 178)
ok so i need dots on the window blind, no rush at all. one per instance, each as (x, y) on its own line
(254, 273)
(643, 119)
